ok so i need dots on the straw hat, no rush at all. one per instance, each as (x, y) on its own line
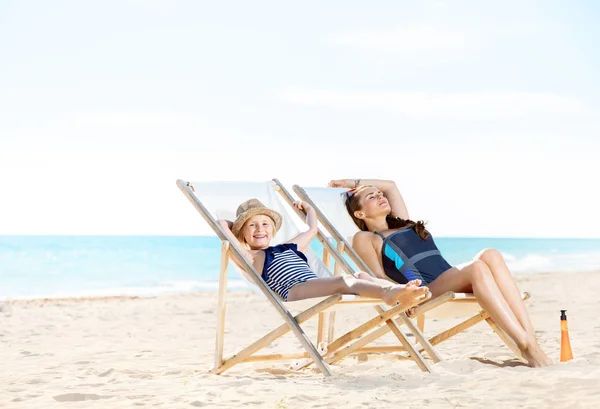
(251, 208)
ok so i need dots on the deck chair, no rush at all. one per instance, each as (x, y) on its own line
(332, 215)
(219, 200)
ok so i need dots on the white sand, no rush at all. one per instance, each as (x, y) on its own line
(121, 353)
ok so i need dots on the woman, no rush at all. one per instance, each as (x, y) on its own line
(395, 247)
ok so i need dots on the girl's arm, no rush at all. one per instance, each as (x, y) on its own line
(363, 244)
(226, 225)
(303, 239)
(387, 187)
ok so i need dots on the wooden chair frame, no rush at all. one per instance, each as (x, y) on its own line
(427, 308)
(335, 349)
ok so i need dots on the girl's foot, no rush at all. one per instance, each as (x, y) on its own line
(406, 295)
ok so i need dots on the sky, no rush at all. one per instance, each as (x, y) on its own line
(485, 114)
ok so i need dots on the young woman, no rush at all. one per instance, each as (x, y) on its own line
(396, 247)
(285, 268)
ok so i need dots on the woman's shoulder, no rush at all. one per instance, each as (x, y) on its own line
(364, 237)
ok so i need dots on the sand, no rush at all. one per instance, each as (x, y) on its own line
(127, 352)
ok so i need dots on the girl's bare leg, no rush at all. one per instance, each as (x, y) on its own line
(366, 276)
(391, 294)
(476, 276)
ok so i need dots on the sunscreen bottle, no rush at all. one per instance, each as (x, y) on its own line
(565, 345)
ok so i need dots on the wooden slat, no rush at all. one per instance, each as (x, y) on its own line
(287, 197)
(342, 352)
(468, 323)
(381, 349)
(414, 354)
(337, 270)
(365, 327)
(421, 322)
(222, 304)
(504, 337)
(434, 302)
(458, 328)
(331, 228)
(329, 329)
(421, 339)
(321, 328)
(276, 357)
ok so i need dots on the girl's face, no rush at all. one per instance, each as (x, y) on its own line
(372, 203)
(257, 232)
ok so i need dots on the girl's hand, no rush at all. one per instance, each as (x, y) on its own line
(226, 224)
(347, 183)
(301, 205)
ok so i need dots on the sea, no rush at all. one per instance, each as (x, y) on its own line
(87, 266)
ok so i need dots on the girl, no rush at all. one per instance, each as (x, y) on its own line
(285, 268)
(394, 246)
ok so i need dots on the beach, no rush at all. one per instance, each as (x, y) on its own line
(122, 352)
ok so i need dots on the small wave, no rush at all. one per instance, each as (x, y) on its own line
(169, 287)
(530, 263)
(508, 257)
(534, 263)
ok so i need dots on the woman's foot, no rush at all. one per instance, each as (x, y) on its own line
(535, 356)
(407, 295)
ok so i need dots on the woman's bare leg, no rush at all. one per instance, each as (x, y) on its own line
(391, 294)
(507, 286)
(476, 276)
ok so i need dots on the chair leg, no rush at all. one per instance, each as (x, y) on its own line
(330, 326)
(321, 327)
(421, 322)
(418, 358)
(338, 351)
(421, 338)
(283, 329)
(505, 338)
(222, 305)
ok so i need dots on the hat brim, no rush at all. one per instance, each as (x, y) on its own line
(243, 218)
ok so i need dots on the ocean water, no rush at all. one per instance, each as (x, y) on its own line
(65, 266)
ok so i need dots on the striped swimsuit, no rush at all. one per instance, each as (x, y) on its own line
(406, 256)
(285, 267)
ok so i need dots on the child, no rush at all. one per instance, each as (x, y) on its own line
(285, 268)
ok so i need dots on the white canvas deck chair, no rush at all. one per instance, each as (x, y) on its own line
(332, 214)
(219, 201)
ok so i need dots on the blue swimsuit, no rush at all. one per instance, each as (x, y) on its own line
(406, 256)
(285, 267)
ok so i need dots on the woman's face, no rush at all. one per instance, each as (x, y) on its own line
(372, 203)
(258, 231)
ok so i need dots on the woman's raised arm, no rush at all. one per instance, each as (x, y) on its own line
(387, 187)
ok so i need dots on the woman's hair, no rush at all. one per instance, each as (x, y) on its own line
(352, 203)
